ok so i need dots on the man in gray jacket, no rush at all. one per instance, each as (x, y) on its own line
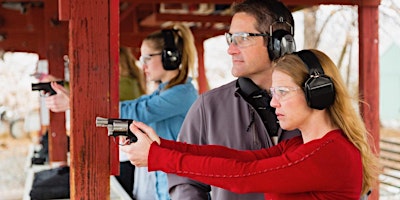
(238, 114)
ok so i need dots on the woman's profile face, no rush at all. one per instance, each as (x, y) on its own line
(151, 61)
(289, 101)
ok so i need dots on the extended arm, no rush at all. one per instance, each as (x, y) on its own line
(138, 152)
(158, 106)
(287, 173)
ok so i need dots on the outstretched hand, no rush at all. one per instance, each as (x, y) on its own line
(138, 152)
(60, 101)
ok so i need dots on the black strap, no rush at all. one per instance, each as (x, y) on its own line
(260, 100)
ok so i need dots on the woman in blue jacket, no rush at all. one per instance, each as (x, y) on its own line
(167, 56)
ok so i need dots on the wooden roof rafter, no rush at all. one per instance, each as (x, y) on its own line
(287, 2)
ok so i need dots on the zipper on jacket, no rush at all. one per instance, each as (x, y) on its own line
(251, 121)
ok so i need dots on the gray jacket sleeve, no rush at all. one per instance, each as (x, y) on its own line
(181, 188)
(186, 189)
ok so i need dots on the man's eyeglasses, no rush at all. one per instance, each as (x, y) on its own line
(147, 57)
(242, 39)
(281, 92)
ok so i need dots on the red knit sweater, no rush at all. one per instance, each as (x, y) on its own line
(326, 168)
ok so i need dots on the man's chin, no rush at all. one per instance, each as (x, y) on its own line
(236, 73)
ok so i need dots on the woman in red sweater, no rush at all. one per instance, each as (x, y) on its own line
(332, 159)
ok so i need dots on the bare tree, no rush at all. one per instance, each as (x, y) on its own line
(313, 37)
(310, 32)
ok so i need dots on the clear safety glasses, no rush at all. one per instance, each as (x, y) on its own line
(243, 39)
(146, 58)
(282, 92)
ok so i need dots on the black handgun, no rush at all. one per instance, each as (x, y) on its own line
(117, 127)
(46, 87)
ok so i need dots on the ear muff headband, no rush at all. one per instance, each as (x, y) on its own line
(171, 56)
(319, 89)
(280, 42)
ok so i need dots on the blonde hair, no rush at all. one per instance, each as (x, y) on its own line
(129, 68)
(342, 112)
(184, 41)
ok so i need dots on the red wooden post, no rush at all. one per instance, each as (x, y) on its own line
(369, 74)
(92, 42)
(202, 79)
(114, 81)
(64, 10)
(55, 42)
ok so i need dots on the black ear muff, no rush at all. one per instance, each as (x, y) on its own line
(280, 42)
(319, 89)
(171, 56)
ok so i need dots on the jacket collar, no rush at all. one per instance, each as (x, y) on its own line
(246, 86)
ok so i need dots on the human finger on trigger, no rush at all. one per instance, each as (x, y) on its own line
(148, 130)
(135, 130)
(55, 86)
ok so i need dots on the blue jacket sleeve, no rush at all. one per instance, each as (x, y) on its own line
(159, 105)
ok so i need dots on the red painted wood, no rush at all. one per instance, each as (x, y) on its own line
(189, 17)
(114, 81)
(56, 34)
(64, 10)
(293, 2)
(288, 2)
(90, 32)
(202, 79)
(22, 32)
(369, 74)
(337, 2)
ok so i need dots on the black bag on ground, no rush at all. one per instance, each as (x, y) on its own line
(51, 184)
(40, 157)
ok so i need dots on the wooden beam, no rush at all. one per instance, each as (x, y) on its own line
(30, 21)
(202, 79)
(134, 40)
(193, 18)
(22, 32)
(287, 2)
(151, 21)
(56, 45)
(333, 2)
(180, 1)
(92, 94)
(369, 74)
(128, 11)
(114, 81)
(64, 12)
(22, 42)
(19, 1)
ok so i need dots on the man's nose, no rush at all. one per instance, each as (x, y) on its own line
(233, 49)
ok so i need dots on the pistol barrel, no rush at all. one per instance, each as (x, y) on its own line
(101, 122)
(117, 127)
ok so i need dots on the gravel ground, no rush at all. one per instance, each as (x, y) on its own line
(13, 162)
(13, 159)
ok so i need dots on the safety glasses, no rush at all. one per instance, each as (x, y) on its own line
(243, 39)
